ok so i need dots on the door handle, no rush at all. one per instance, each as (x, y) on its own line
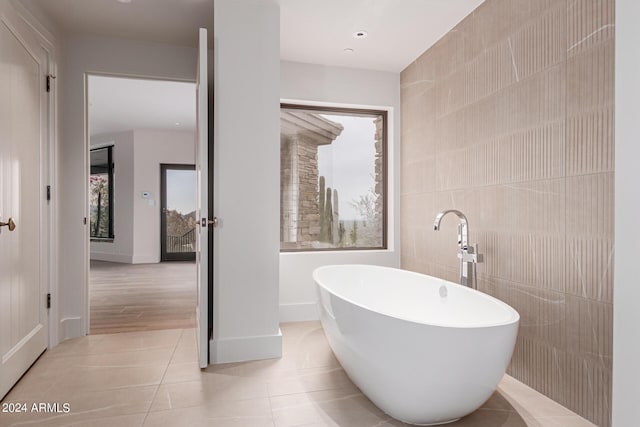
(11, 224)
(212, 222)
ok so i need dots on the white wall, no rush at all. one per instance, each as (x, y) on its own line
(137, 156)
(121, 248)
(93, 55)
(247, 180)
(37, 17)
(626, 302)
(334, 85)
(152, 148)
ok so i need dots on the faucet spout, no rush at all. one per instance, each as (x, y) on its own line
(468, 255)
(463, 226)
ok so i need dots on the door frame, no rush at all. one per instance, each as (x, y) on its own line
(164, 255)
(87, 171)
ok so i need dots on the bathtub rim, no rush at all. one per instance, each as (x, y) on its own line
(514, 315)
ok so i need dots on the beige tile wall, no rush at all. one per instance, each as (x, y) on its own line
(509, 118)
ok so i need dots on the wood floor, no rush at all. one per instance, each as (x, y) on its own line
(142, 297)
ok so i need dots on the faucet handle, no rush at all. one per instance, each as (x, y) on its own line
(478, 256)
(470, 254)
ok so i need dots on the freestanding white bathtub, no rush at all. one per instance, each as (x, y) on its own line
(426, 351)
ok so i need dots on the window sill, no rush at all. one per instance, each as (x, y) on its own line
(336, 250)
(102, 240)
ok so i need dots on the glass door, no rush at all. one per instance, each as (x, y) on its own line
(178, 213)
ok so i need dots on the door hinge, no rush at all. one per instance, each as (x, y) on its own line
(49, 78)
(48, 300)
(84, 221)
(48, 192)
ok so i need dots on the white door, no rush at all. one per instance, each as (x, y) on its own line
(23, 316)
(202, 158)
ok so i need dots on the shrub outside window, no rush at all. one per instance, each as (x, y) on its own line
(332, 178)
(101, 193)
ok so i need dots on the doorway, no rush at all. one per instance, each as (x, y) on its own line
(142, 190)
(178, 212)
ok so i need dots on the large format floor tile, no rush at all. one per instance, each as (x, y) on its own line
(152, 379)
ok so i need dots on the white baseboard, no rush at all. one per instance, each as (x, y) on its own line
(125, 259)
(243, 349)
(145, 259)
(71, 327)
(299, 312)
(105, 256)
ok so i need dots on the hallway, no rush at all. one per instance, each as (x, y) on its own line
(142, 297)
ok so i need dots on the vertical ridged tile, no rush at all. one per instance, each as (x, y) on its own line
(590, 79)
(542, 312)
(488, 73)
(496, 250)
(590, 110)
(590, 142)
(590, 320)
(540, 366)
(589, 23)
(533, 154)
(540, 44)
(468, 29)
(418, 176)
(537, 100)
(589, 267)
(589, 245)
(524, 11)
(494, 18)
(517, 132)
(536, 207)
(590, 389)
(590, 205)
(539, 260)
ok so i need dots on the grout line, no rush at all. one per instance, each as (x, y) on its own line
(273, 417)
(155, 394)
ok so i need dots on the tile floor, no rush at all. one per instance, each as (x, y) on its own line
(152, 378)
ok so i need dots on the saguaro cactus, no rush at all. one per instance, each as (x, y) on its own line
(341, 233)
(321, 199)
(335, 220)
(328, 216)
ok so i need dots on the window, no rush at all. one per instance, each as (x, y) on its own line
(101, 193)
(332, 178)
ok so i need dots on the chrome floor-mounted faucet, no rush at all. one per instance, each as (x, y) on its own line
(468, 255)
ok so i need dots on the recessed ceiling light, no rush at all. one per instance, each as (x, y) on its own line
(177, 123)
(360, 34)
(124, 1)
(348, 50)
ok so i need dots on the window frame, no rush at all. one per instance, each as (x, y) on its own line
(110, 166)
(328, 109)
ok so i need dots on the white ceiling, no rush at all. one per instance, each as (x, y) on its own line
(160, 21)
(121, 104)
(318, 31)
(311, 31)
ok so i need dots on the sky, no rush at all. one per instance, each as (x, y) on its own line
(348, 164)
(181, 190)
